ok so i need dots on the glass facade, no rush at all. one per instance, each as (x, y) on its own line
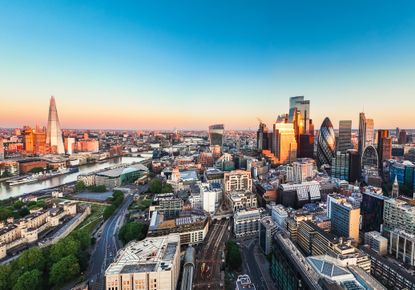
(340, 166)
(326, 144)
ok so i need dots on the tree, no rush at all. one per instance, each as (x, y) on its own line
(29, 280)
(18, 204)
(24, 211)
(80, 186)
(155, 186)
(132, 231)
(31, 259)
(6, 174)
(5, 213)
(37, 169)
(83, 237)
(64, 270)
(117, 198)
(233, 255)
(64, 248)
(5, 271)
(167, 188)
(108, 211)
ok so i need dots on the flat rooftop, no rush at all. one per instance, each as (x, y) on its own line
(154, 254)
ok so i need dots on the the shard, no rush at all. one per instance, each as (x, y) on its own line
(54, 133)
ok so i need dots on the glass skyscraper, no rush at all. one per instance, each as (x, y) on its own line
(326, 144)
(54, 134)
(345, 136)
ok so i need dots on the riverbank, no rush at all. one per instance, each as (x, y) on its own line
(56, 182)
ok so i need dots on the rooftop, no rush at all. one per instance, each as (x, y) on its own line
(244, 282)
(154, 254)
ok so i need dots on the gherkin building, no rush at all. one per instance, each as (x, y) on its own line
(326, 144)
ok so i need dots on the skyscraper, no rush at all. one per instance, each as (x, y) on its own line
(370, 132)
(402, 137)
(298, 104)
(384, 147)
(262, 137)
(1, 149)
(216, 134)
(345, 136)
(54, 134)
(284, 144)
(362, 133)
(326, 143)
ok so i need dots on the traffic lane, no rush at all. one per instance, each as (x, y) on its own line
(252, 269)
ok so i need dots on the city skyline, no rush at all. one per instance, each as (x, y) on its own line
(135, 66)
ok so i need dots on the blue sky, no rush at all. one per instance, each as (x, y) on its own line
(186, 64)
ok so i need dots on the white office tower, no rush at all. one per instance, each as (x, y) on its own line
(54, 133)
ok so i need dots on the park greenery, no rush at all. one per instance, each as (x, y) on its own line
(233, 255)
(50, 267)
(80, 186)
(6, 174)
(116, 200)
(132, 231)
(37, 170)
(157, 186)
(18, 209)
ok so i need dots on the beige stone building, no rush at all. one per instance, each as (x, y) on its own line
(150, 264)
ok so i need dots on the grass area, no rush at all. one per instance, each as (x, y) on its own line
(94, 218)
(142, 203)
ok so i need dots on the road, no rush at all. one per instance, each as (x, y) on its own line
(250, 264)
(107, 245)
(210, 256)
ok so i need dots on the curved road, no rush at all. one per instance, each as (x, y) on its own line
(107, 246)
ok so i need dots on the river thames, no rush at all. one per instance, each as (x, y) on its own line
(7, 191)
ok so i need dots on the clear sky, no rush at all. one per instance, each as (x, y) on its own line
(187, 64)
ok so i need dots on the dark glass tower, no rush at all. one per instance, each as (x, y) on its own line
(216, 134)
(326, 144)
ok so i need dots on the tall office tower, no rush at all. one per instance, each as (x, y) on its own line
(284, 144)
(345, 136)
(303, 106)
(340, 166)
(371, 210)
(402, 137)
(262, 137)
(1, 149)
(34, 140)
(344, 216)
(54, 134)
(354, 165)
(326, 143)
(306, 146)
(384, 147)
(362, 134)
(69, 143)
(216, 134)
(370, 132)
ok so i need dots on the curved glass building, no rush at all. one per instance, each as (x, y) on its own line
(326, 143)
